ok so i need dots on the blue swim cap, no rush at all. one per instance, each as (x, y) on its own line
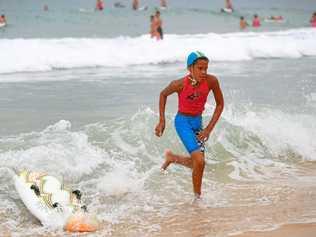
(195, 56)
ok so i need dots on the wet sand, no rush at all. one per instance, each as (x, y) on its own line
(254, 210)
(292, 230)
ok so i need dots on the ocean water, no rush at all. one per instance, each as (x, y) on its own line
(79, 99)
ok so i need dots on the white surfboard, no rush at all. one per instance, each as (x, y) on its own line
(52, 203)
(2, 25)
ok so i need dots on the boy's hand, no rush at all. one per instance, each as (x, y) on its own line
(203, 135)
(160, 128)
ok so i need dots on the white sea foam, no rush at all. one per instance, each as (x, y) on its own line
(55, 150)
(118, 182)
(19, 55)
(263, 143)
(278, 131)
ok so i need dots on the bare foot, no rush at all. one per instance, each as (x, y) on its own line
(169, 158)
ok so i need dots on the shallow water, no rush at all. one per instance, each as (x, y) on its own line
(94, 127)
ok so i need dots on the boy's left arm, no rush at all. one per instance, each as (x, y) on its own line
(219, 99)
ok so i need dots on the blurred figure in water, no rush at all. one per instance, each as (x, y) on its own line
(3, 20)
(153, 28)
(256, 21)
(313, 20)
(228, 4)
(158, 25)
(119, 5)
(163, 3)
(99, 5)
(228, 7)
(135, 4)
(243, 23)
(45, 8)
(274, 19)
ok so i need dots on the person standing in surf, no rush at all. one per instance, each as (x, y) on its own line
(256, 21)
(242, 23)
(99, 6)
(153, 29)
(229, 5)
(158, 25)
(3, 20)
(163, 4)
(192, 91)
(135, 4)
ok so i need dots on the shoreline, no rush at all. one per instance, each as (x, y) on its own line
(286, 230)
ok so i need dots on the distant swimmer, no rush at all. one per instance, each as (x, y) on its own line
(135, 4)
(99, 5)
(243, 23)
(274, 19)
(256, 21)
(3, 20)
(143, 8)
(45, 8)
(228, 7)
(119, 5)
(313, 20)
(228, 4)
(192, 91)
(163, 4)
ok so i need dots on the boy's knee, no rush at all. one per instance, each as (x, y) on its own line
(198, 159)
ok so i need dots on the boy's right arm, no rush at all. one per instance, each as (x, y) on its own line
(174, 86)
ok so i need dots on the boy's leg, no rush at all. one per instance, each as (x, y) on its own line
(187, 130)
(177, 159)
(198, 164)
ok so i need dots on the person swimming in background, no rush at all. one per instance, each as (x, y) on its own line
(228, 7)
(119, 5)
(313, 20)
(3, 20)
(158, 24)
(45, 8)
(274, 18)
(99, 5)
(243, 23)
(163, 4)
(193, 90)
(256, 21)
(135, 4)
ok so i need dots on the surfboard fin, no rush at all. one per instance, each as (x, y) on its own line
(77, 193)
(36, 190)
(84, 208)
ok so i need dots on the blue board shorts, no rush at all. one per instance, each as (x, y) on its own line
(187, 128)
